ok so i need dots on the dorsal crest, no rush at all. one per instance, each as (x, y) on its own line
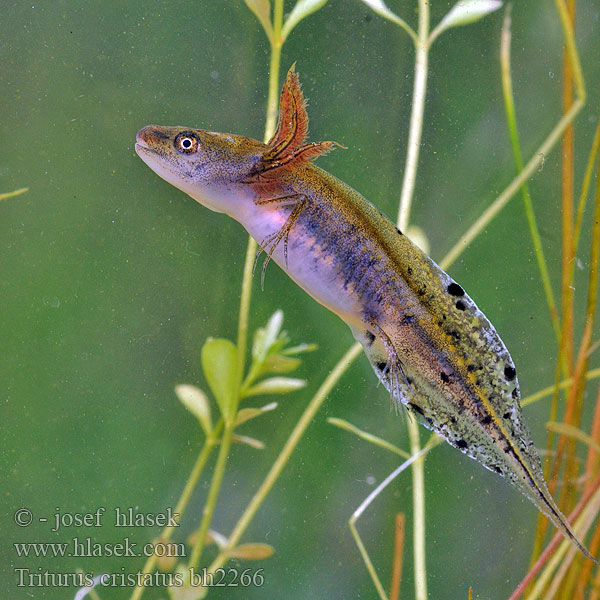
(287, 148)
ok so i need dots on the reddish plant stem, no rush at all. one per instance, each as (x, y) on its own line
(551, 547)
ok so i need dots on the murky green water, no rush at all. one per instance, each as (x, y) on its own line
(111, 280)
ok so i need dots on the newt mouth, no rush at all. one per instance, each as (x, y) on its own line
(148, 138)
(144, 152)
(140, 147)
(140, 143)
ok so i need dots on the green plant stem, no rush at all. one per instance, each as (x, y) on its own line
(307, 416)
(566, 212)
(548, 391)
(8, 195)
(572, 72)
(500, 202)
(368, 437)
(209, 443)
(408, 187)
(416, 117)
(585, 188)
(509, 106)
(569, 36)
(274, 66)
(353, 521)
(575, 404)
(530, 215)
(418, 485)
(245, 297)
(594, 260)
(213, 495)
(246, 294)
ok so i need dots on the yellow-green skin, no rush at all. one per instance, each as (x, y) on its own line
(429, 344)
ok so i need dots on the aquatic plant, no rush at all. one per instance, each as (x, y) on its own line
(230, 381)
(7, 195)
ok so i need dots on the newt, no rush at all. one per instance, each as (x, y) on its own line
(429, 344)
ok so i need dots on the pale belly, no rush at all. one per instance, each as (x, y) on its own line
(313, 262)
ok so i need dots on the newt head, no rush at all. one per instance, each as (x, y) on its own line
(219, 170)
(203, 164)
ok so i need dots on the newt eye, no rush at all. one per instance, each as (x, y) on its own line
(186, 143)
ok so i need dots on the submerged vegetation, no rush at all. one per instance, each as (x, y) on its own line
(557, 570)
(7, 195)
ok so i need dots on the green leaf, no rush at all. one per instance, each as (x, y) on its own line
(299, 349)
(275, 363)
(251, 551)
(302, 9)
(465, 12)
(382, 10)
(215, 537)
(368, 437)
(212, 537)
(262, 11)
(265, 338)
(196, 402)
(244, 439)
(245, 414)
(275, 385)
(274, 327)
(219, 364)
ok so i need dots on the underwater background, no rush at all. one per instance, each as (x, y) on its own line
(111, 279)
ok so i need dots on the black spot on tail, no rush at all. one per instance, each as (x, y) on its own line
(416, 408)
(455, 290)
(509, 373)
(460, 305)
(462, 444)
(381, 366)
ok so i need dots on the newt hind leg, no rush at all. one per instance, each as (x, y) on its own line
(392, 372)
(270, 243)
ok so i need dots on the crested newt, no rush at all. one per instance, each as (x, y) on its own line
(428, 342)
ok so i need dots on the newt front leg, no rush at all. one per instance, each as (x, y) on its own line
(270, 243)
